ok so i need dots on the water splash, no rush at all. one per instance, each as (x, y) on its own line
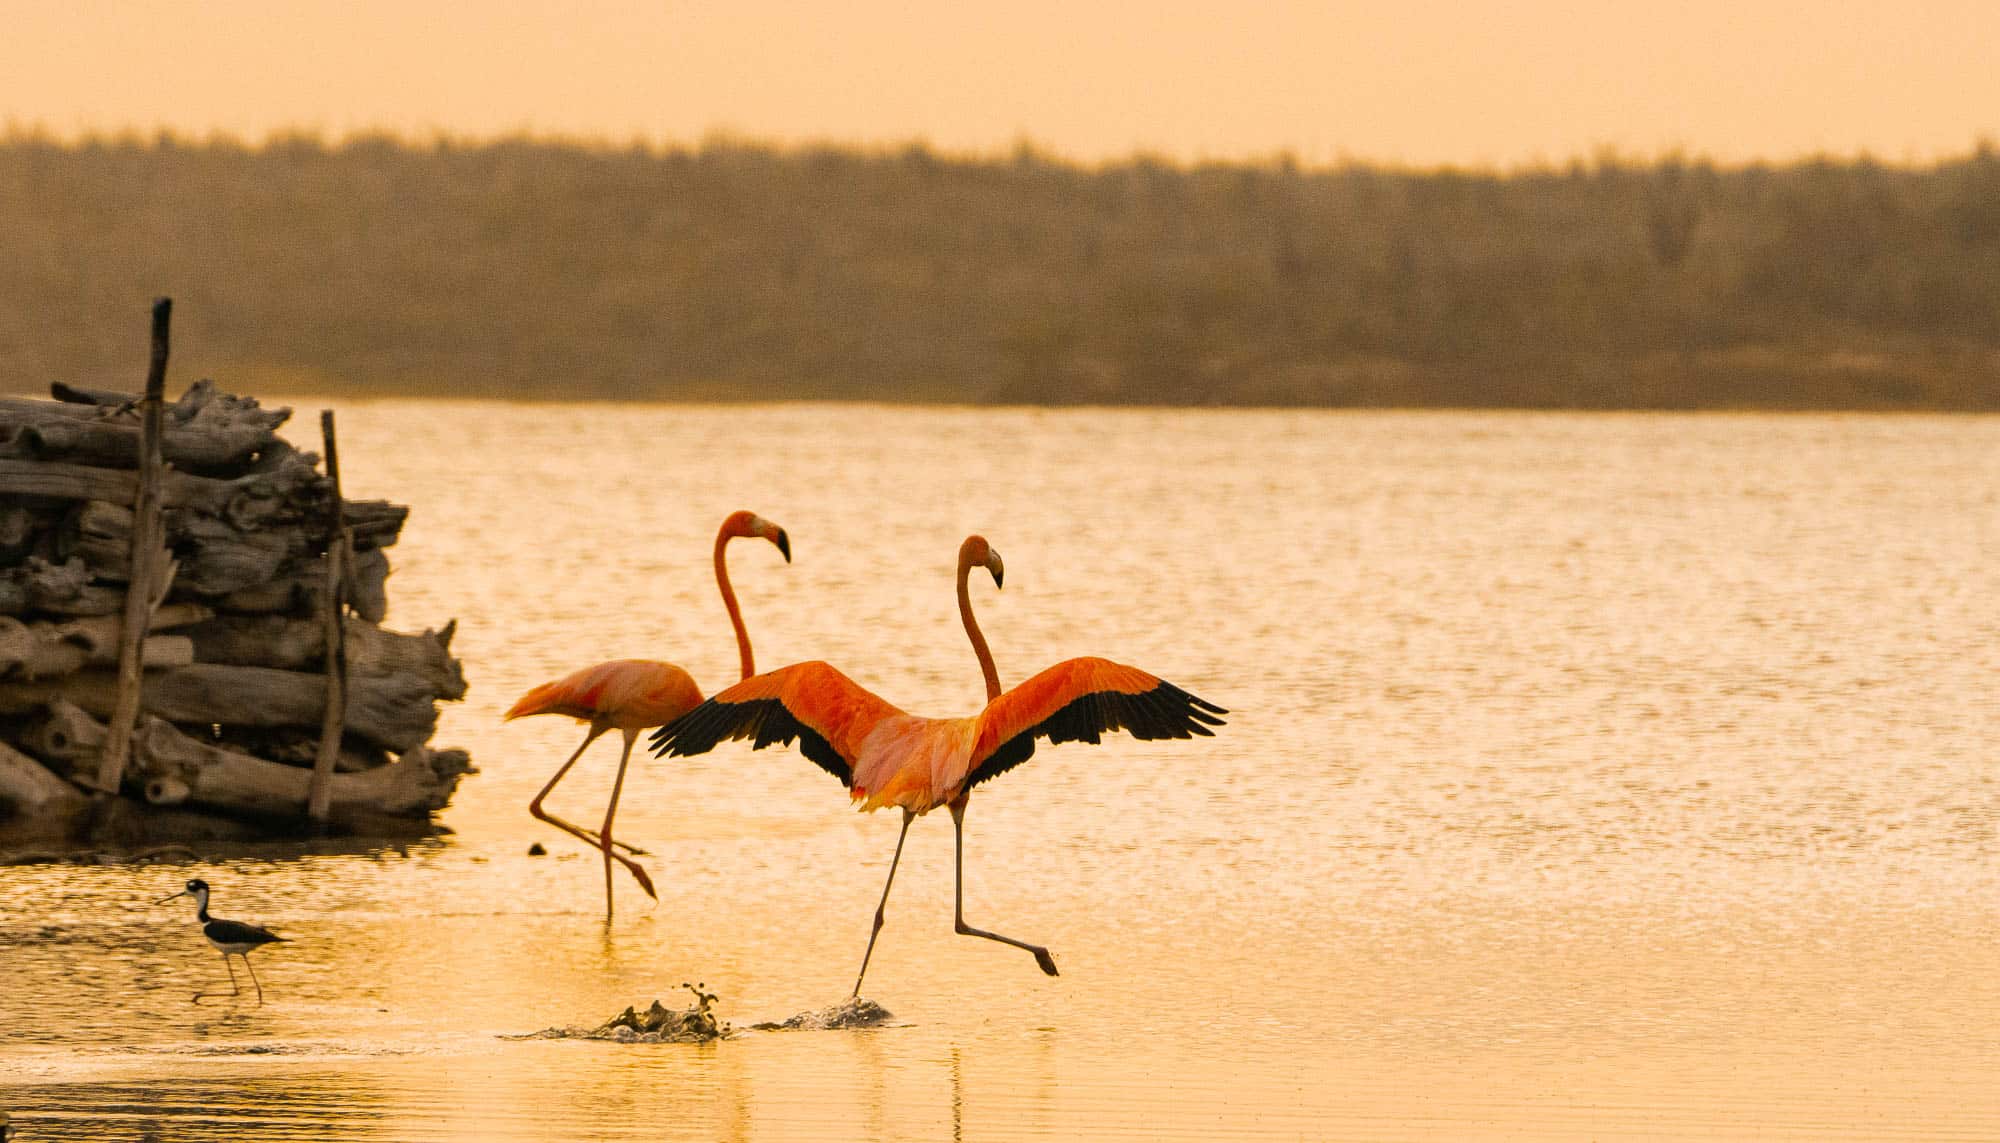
(855, 1012)
(656, 1025)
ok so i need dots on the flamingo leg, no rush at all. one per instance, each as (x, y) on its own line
(1042, 957)
(604, 834)
(574, 830)
(908, 817)
(253, 977)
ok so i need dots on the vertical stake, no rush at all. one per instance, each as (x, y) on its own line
(147, 558)
(339, 554)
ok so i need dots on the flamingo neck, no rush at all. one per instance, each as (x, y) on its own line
(979, 648)
(729, 602)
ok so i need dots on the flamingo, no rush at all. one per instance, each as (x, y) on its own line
(886, 757)
(631, 695)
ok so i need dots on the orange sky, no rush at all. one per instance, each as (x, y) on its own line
(1416, 81)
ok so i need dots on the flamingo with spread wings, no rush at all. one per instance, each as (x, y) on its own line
(631, 695)
(887, 757)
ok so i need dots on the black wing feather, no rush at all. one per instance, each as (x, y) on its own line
(766, 722)
(1165, 711)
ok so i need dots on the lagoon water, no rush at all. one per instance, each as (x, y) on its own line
(1587, 777)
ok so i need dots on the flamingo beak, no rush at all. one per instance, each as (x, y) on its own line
(994, 565)
(784, 543)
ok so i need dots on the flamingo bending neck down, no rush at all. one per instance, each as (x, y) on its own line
(631, 695)
(889, 758)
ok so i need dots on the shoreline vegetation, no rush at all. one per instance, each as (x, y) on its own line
(733, 271)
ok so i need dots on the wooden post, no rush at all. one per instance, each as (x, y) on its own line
(319, 795)
(147, 558)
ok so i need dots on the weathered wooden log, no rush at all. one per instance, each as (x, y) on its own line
(263, 494)
(72, 395)
(287, 491)
(65, 737)
(42, 650)
(290, 491)
(17, 532)
(173, 768)
(392, 711)
(375, 523)
(30, 790)
(216, 559)
(294, 595)
(297, 746)
(300, 594)
(300, 644)
(418, 784)
(365, 585)
(69, 481)
(205, 429)
(116, 445)
(203, 401)
(56, 588)
(37, 412)
(27, 527)
(196, 433)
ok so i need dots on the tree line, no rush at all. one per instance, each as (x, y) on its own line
(559, 270)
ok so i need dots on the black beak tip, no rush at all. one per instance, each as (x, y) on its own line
(997, 577)
(784, 545)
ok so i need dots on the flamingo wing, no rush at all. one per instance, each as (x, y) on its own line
(632, 692)
(558, 697)
(828, 714)
(1077, 700)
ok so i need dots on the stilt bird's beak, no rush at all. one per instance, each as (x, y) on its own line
(170, 897)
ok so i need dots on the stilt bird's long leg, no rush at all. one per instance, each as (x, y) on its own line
(234, 988)
(253, 978)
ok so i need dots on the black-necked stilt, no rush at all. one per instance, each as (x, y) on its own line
(230, 938)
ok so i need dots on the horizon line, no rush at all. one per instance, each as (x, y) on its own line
(14, 132)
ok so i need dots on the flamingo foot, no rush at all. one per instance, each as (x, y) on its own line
(637, 871)
(639, 874)
(586, 835)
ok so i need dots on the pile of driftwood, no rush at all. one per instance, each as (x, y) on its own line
(193, 647)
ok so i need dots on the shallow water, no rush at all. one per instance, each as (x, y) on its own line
(1588, 777)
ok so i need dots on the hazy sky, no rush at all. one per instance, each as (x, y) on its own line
(1465, 81)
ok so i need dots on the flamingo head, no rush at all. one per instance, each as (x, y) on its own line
(750, 524)
(975, 552)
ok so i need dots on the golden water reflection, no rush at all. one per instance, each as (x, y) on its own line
(1587, 778)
